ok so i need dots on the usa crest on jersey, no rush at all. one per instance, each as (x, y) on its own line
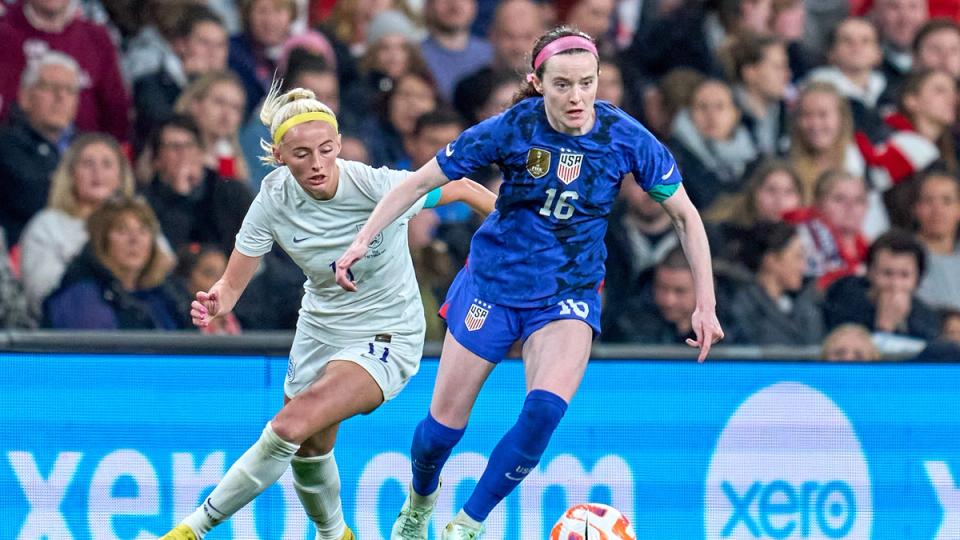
(568, 167)
(476, 315)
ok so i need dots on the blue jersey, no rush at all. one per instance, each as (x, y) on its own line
(545, 239)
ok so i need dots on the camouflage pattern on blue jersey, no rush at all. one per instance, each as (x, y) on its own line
(545, 238)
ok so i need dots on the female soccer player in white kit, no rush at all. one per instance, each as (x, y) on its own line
(351, 352)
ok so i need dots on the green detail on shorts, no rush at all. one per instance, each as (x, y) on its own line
(432, 198)
(663, 192)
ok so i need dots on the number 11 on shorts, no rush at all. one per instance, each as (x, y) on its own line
(568, 306)
(383, 357)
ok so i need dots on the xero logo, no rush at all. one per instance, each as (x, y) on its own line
(778, 509)
(788, 465)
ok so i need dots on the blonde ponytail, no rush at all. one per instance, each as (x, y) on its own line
(279, 107)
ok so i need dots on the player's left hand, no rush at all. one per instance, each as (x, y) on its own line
(706, 326)
(354, 253)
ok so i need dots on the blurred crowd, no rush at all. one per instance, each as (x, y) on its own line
(818, 138)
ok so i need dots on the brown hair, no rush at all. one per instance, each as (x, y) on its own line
(802, 156)
(415, 60)
(932, 26)
(198, 90)
(676, 89)
(527, 89)
(827, 181)
(741, 207)
(850, 328)
(343, 23)
(911, 87)
(62, 194)
(105, 219)
(747, 50)
(246, 8)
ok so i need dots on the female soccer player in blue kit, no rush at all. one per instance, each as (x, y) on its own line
(535, 267)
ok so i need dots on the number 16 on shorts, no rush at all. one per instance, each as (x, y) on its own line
(578, 308)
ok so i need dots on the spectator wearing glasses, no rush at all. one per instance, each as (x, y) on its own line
(193, 203)
(38, 26)
(39, 131)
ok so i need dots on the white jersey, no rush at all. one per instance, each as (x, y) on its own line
(316, 233)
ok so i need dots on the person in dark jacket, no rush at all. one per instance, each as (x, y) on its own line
(714, 151)
(639, 235)
(255, 51)
(657, 313)
(885, 300)
(118, 282)
(775, 308)
(40, 128)
(194, 204)
(761, 75)
(199, 41)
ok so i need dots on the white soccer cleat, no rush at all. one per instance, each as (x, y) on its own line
(460, 531)
(413, 523)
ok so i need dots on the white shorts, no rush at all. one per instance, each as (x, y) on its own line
(390, 359)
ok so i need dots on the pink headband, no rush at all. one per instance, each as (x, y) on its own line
(565, 43)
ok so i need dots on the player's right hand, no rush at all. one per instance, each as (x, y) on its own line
(707, 329)
(205, 308)
(354, 253)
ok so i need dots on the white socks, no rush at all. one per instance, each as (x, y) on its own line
(256, 470)
(317, 481)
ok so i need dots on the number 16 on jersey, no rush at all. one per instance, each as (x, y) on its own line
(558, 206)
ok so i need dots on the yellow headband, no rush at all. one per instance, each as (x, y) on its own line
(302, 118)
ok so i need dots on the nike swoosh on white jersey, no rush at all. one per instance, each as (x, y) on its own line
(664, 177)
(449, 150)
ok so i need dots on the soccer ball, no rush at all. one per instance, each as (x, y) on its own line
(592, 521)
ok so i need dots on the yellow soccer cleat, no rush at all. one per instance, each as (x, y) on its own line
(182, 532)
(348, 535)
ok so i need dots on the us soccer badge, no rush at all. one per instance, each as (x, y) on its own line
(538, 162)
(568, 168)
(477, 315)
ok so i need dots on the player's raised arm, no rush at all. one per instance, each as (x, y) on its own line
(223, 295)
(693, 238)
(481, 199)
(392, 206)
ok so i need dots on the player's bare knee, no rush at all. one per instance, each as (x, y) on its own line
(291, 428)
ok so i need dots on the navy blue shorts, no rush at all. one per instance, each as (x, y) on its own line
(488, 330)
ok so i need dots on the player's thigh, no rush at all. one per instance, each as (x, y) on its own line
(459, 379)
(343, 389)
(555, 356)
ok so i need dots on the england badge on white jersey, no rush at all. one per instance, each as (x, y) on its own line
(568, 168)
(476, 315)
